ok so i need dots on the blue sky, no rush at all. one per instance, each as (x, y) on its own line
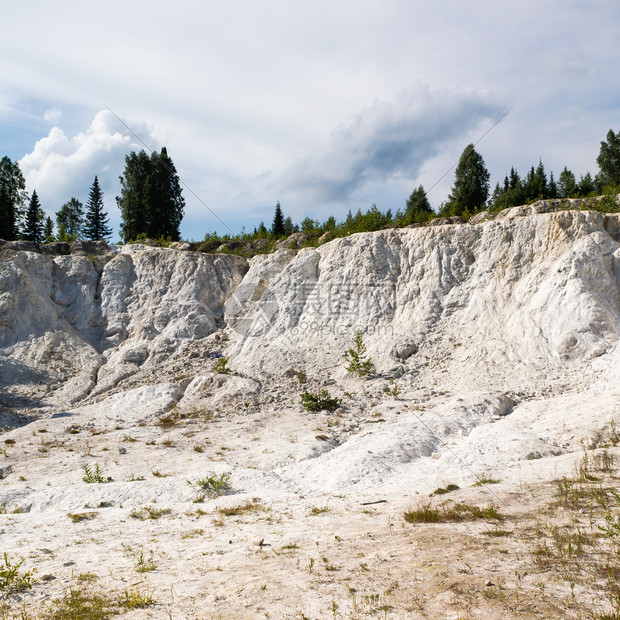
(324, 106)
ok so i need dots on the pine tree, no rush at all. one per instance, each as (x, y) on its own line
(567, 184)
(358, 362)
(8, 223)
(166, 204)
(134, 199)
(277, 228)
(33, 228)
(552, 187)
(586, 185)
(96, 222)
(289, 227)
(471, 184)
(151, 201)
(70, 220)
(13, 199)
(48, 230)
(417, 208)
(608, 160)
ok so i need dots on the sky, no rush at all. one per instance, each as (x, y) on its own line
(324, 106)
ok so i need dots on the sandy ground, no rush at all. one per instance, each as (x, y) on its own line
(291, 551)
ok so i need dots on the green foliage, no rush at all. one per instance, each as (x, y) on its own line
(277, 228)
(319, 401)
(451, 513)
(417, 208)
(149, 512)
(48, 230)
(447, 489)
(92, 476)
(13, 199)
(11, 579)
(70, 220)
(221, 366)
(608, 160)
(96, 220)
(78, 517)
(151, 200)
(358, 362)
(214, 484)
(471, 185)
(35, 217)
(567, 184)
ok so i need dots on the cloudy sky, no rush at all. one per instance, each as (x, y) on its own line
(323, 105)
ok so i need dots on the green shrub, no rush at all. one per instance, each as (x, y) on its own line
(93, 475)
(11, 580)
(317, 401)
(358, 363)
(221, 366)
(214, 484)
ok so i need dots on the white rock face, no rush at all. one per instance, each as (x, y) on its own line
(496, 353)
(75, 325)
(509, 303)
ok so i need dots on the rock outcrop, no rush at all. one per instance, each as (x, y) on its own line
(514, 303)
(72, 326)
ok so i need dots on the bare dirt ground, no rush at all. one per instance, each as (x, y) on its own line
(148, 544)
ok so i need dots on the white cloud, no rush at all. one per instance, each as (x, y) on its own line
(247, 91)
(62, 166)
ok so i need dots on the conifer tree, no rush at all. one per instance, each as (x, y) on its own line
(33, 228)
(151, 201)
(358, 362)
(471, 184)
(13, 199)
(417, 207)
(277, 228)
(48, 230)
(96, 222)
(608, 160)
(166, 202)
(8, 221)
(567, 184)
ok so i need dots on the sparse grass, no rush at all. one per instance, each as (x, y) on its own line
(82, 604)
(213, 484)
(144, 565)
(199, 449)
(149, 512)
(77, 517)
(135, 599)
(482, 480)
(159, 474)
(192, 533)
(315, 510)
(450, 513)
(447, 489)
(233, 511)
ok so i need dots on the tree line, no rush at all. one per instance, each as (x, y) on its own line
(469, 195)
(151, 205)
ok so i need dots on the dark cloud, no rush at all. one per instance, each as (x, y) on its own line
(386, 140)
